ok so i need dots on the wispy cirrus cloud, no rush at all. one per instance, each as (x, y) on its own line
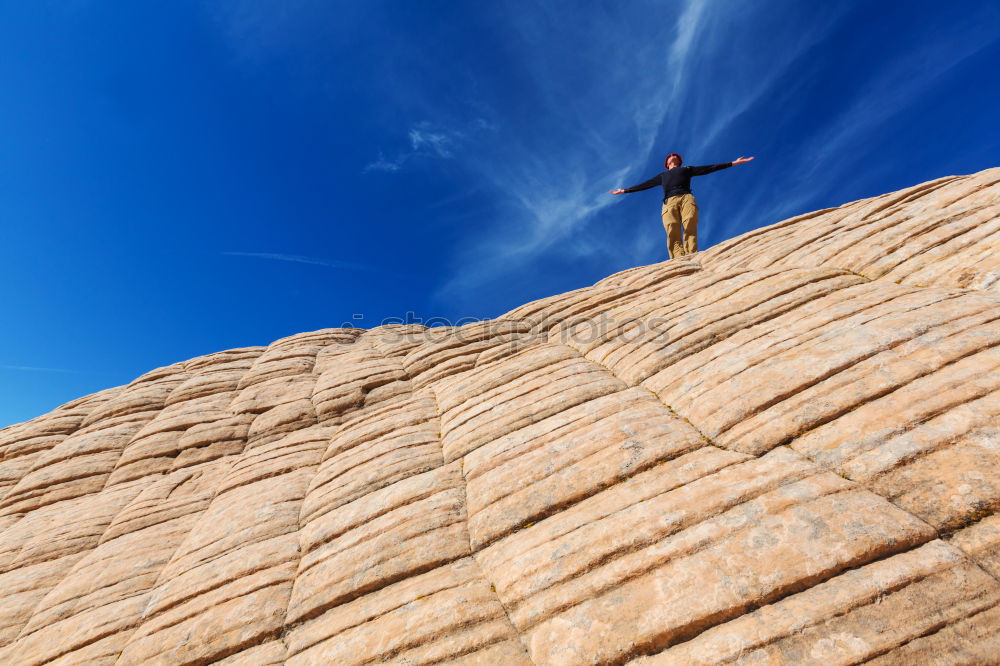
(555, 106)
(555, 179)
(428, 140)
(893, 88)
(544, 143)
(383, 164)
(301, 259)
(839, 147)
(437, 143)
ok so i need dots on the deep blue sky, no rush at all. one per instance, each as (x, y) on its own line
(182, 177)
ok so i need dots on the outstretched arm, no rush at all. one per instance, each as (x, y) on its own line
(702, 170)
(652, 182)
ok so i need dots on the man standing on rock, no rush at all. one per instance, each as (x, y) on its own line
(680, 210)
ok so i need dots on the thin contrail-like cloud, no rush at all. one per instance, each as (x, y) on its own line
(300, 259)
(32, 368)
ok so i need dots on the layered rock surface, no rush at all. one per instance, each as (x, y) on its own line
(785, 449)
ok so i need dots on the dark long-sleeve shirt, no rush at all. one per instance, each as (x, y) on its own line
(677, 180)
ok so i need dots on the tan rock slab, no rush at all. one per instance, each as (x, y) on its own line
(622, 585)
(104, 595)
(224, 621)
(92, 608)
(280, 362)
(240, 555)
(780, 397)
(936, 234)
(683, 326)
(268, 654)
(347, 384)
(552, 317)
(684, 382)
(215, 373)
(444, 614)
(296, 451)
(24, 587)
(146, 394)
(212, 440)
(44, 432)
(281, 420)
(270, 393)
(500, 398)
(971, 640)
(981, 543)
(62, 528)
(374, 449)
(530, 474)
(176, 495)
(461, 348)
(404, 529)
(853, 617)
(80, 465)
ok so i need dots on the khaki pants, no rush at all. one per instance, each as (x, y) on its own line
(681, 212)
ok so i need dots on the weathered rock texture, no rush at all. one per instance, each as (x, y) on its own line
(783, 450)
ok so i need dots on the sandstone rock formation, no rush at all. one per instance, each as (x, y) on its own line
(785, 449)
